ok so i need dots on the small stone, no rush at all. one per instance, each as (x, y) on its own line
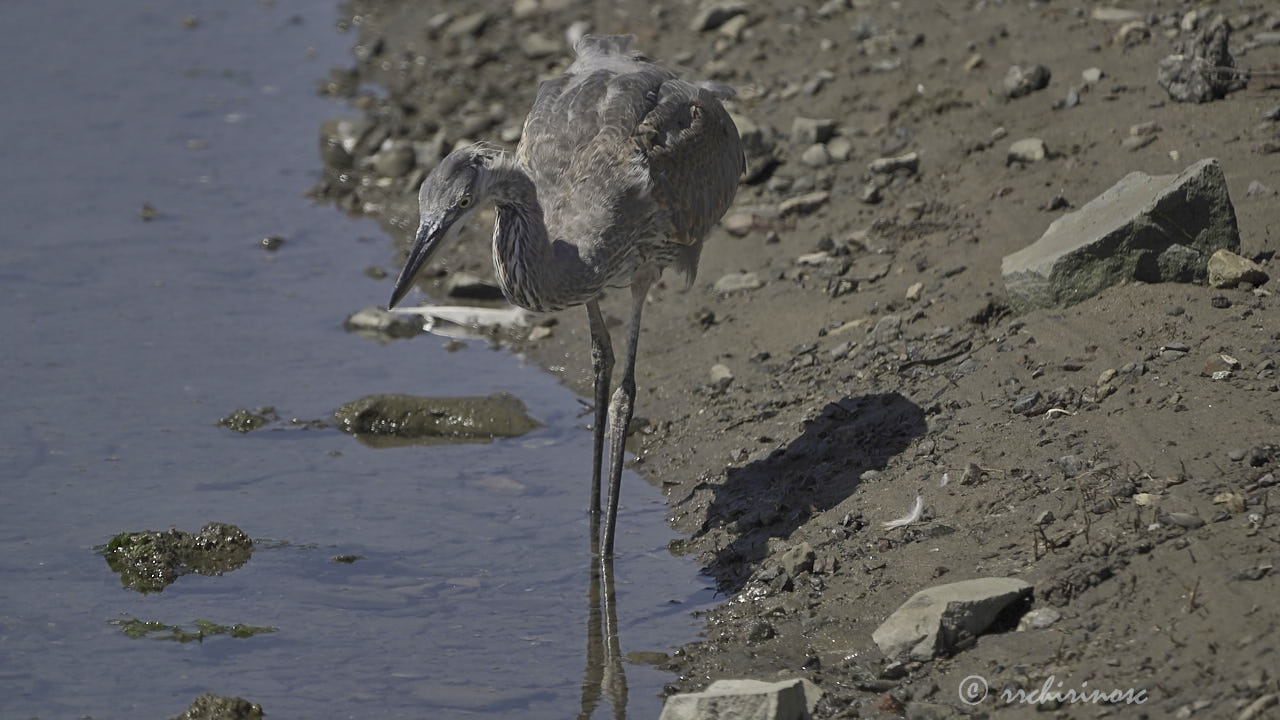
(803, 204)
(375, 320)
(1045, 518)
(473, 25)
(1186, 521)
(536, 45)
(1146, 499)
(840, 148)
(1115, 14)
(1027, 150)
(721, 378)
(1027, 404)
(910, 162)
(1175, 310)
(1220, 302)
(739, 223)
(733, 282)
(1132, 33)
(1039, 619)
(810, 131)
(540, 332)
(974, 62)
(1234, 502)
(1091, 76)
(716, 14)
(870, 194)
(816, 156)
(913, 292)
(1256, 188)
(1106, 376)
(1227, 270)
(1137, 142)
(1023, 80)
(1235, 454)
(946, 618)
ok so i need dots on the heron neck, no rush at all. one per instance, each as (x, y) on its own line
(534, 272)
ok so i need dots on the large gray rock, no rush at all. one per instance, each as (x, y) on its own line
(946, 618)
(745, 700)
(1159, 228)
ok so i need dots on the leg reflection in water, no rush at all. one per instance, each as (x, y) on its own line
(604, 673)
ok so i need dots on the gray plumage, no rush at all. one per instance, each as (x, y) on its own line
(623, 169)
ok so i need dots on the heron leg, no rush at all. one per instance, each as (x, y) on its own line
(620, 409)
(602, 368)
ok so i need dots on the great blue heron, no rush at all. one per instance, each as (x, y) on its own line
(623, 169)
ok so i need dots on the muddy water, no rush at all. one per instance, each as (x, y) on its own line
(125, 340)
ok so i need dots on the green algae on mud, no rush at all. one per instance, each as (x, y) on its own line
(220, 707)
(157, 630)
(394, 419)
(243, 420)
(150, 560)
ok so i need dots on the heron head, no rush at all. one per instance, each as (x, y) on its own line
(449, 195)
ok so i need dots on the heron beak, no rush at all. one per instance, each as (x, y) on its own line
(430, 232)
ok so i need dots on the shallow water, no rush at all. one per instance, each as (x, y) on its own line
(126, 340)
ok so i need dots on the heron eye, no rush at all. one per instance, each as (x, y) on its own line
(464, 202)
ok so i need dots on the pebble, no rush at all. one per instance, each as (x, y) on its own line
(913, 292)
(1137, 142)
(809, 131)
(539, 333)
(472, 25)
(1235, 454)
(1023, 80)
(1091, 76)
(1220, 302)
(816, 156)
(1183, 520)
(1115, 14)
(804, 204)
(536, 45)
(382, 321)
(1227, 270)
(734, 282)
(1027, 150)
(870, 194)
(1175, 310)
(714, 15)
(739, 223)
(840, 149)
(910, 162)
(1027, 403)
(721, 377)
(1257, 188)
(1039, 619)
(974, 62)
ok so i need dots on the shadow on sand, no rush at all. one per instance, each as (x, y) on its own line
(772, 496)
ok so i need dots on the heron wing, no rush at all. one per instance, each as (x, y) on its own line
(621, 150)
(695, 158)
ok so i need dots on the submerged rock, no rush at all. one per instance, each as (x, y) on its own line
(755, 699)
(150, 560)
(1148, 228)
(946, 618)
(392, 418)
